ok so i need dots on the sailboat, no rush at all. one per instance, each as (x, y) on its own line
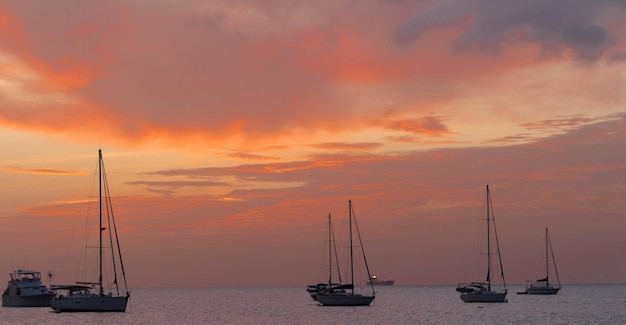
(326, 286)
(542, 286)
(344, 295)
(483, 291)
(90, 296)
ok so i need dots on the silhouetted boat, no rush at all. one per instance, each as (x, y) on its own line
(482, 291)
(26, 290)
(377, 282)
(543, 286)
(90, 296)
(315, 288)
(344, 295)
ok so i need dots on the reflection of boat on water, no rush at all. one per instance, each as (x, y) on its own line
(26, 290)
(542, 286)
(344, 295)
(482, 291)
(90, 296)
(377, 282)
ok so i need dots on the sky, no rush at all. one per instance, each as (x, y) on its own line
(231, 129)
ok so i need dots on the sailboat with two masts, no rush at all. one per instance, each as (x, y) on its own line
(327, 286)
(90, 296)
(543, 286)
(344, 295)
(483, 291)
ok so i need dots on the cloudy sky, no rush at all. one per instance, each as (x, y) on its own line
(231, 129)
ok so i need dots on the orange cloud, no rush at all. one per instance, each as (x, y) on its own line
(249, 156)
(558, 123)
(267, 85)
(435, 194)
(45, 171)
(346, 146)
(428, 125)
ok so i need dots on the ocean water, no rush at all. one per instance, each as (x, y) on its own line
(575, 304)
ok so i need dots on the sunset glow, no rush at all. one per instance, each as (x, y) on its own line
(231, 129)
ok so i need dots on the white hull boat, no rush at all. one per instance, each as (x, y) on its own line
(26, 290)
(482, 291)
(90, 296)
(80, 300)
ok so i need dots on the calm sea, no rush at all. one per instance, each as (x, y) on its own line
(575, 304)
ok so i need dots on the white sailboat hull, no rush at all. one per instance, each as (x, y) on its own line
(484, 296)
(345, 299)
(94, 303)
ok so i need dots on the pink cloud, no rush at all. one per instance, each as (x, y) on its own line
(261, 84)
(374, 101)
(430, 126)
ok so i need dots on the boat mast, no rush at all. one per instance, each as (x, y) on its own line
(488, 244)
(495, 232)
(330, 254)
(332, 235)
(367, 268)
(556, 271)
(547, 270)
(101, 229)
(351, 255)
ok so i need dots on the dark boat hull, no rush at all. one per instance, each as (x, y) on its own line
(27, 301)
(90, 304)
(381, 283)
(345, 300)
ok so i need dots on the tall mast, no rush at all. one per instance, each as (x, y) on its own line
(488, 245)
(547, 270)
(351, 256)
(556, 271)
(330, 254)
(101, 229)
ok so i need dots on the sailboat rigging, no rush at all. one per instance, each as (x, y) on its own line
(80, 297)
(344, 295)
(482, 291)
(315, 288)
(543, 286)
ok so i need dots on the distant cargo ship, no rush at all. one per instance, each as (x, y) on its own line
(377, 282)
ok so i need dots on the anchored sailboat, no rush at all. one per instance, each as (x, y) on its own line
(483, 291)
(543, 286)
(344, 295)
(325, 286)
(90, 296)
